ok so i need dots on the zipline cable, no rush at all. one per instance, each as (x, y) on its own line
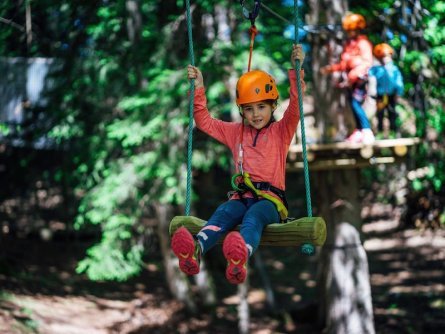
(309, 28)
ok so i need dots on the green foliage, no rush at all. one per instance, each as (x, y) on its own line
(121, 107)
(4, 129)
(115, 257)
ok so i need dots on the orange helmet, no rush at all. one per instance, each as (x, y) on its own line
(381, 50)
(353, 22)
(255, 86)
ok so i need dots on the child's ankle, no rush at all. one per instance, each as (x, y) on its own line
(198, 248)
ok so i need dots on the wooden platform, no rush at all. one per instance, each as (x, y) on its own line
(349, 155)
(295, 233)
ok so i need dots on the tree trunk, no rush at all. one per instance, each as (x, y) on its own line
(331, 110)
(347, 301)
(205, 285)
(270, 295)
(343, 282)
(243, 308)
(134, 30)
(343, 275)
(28, 27)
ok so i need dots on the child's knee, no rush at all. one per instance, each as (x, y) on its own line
(207, 231)
(233, 210)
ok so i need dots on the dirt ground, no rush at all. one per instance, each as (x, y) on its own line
(40, 292)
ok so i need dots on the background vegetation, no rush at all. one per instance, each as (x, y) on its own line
(117, 119)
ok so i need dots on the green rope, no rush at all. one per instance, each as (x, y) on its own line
(191, 103)
(300, 105)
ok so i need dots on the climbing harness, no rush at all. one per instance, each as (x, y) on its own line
(258, 189)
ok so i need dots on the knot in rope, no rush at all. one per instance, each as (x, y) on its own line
(253, 31)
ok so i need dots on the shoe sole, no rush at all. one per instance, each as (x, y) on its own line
(183, 246)
(235, 252)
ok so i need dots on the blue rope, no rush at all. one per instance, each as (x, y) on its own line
(300, 106)
(191, 103)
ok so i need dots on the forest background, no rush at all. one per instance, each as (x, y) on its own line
(103, 158)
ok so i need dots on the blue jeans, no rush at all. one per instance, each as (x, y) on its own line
(253, 215)
(355, 98)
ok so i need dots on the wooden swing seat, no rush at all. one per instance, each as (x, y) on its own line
(293, 233)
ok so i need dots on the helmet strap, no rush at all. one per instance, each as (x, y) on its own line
(240, 112)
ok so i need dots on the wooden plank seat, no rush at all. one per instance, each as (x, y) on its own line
(293, 233)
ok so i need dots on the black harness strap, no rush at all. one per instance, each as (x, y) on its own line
(266, 186)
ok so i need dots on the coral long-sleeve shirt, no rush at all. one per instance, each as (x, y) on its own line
(265, 150)
(356, 58)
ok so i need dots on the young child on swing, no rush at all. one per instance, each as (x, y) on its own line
(389, 87)
(259, 147)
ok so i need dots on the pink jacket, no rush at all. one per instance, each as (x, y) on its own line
(265, 150)
(356, 58)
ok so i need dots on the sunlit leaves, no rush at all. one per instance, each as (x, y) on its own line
(134, 133)
(109, 23)
(108, 261)
(4, 129)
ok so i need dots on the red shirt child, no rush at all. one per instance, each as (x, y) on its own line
(264, 144)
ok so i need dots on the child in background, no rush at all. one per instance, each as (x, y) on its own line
(355, 61)
(389, 87)
(259, 147)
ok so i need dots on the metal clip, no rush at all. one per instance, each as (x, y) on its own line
(251, 15)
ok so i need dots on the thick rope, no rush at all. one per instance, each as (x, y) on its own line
(253, 32)
(300, 107)
(191, 103)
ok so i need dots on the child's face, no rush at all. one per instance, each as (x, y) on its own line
(387, 59)
(257, 114)
(351, 34)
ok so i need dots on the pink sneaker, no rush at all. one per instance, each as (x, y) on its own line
(356, 137)
(236, 254)
(368, 137)
(186, 250)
